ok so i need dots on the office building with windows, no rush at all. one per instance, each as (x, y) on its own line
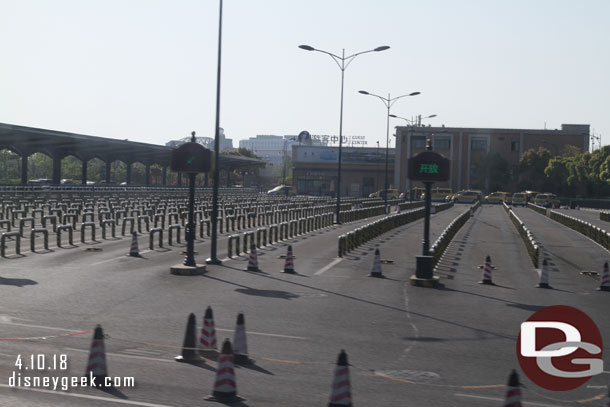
(466, 147)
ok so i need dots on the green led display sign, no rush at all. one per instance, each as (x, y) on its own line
(191, 158)
(428, 166)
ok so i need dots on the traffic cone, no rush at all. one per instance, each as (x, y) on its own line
(513, 391)
(340, 393)
(240, 346)
(207, 341)
(376, 271)
(96, 366)
(134, 251)
(225, 388)
(487, 272)
(253, 261)
(604, 284)
(544, 276)
(289, 264)
(188, 347)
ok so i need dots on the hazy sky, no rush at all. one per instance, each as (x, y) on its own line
(145, 70)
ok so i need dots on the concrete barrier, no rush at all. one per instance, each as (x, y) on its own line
(173, 227)
(105, 223)
(83, 227)
(3, 237)
(233, 238)
(160, 216)
(248, 235)
(273, 229)
(131, 221)
(259, 232)
(22, 224)
(146, 220)
(151, 237)
(45, 236)
(70, 231)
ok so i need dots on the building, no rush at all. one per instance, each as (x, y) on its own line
(314, 170)
(466, 147)
(208, 142)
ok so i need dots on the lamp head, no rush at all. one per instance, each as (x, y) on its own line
(307, 47)
(394, 116)
(382, 48)
(431, 116)
(364, 92)
(414, 93)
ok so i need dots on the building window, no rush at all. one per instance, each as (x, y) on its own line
(478, 144)
(418, 143)
(515, 145)
(442, 144)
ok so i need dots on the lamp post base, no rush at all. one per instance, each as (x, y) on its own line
(424, 273)
(214, 261)
(182, 270)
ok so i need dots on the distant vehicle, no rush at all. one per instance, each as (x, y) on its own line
(90, 182)
(66, 181)
(41, 181)
(438, 194)
(282, 190)
(518, 198)
(547, 200)
(392, 194)
(466, 196)
(496, 197)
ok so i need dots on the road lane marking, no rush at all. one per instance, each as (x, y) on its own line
(85, 396)
(328, 266)
(525, 403)
(124, 355)
(40, 326)
(117, 258)
(266, 334)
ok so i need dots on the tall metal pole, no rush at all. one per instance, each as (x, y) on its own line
(387, 153)
(338, 210)
(189, 259)
(213, 258)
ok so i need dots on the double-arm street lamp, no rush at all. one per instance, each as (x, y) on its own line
(388, 102)
(342, 62)
(416, 122)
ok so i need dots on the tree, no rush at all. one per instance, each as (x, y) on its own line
(492, 173)
(531, 169)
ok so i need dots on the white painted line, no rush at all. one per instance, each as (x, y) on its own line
(41, 327)
(525, 403)
(328, 266)
(266, 334)
(118, 258)
(125, 355)
(86, 396)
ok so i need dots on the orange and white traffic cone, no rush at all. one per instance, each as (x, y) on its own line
(289, 264)
(225, 387)
(134, 251)
(544, 276)
(188, 346)
(240, 345)
(513, 391)
(604, 284)
(376, 271)
(96, 366)
(341, 393)
(487, 272)
(207, 341)
(253, 260)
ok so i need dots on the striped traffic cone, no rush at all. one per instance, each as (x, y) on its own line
(544, 276)
(289, 264)
(487, 272)
(225, 387)
(513, 391)
(240, 345)
(134, 251)
(604, 284)
(253, 261)
(188, 347)
(96, 366)
(340, 394)
(207, 340)
(376, 271)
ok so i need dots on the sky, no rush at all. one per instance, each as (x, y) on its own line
(145, 70)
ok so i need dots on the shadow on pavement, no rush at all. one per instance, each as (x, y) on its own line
(285, 295)
(19, 282)
(255, 367)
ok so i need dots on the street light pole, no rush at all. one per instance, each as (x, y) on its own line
(342, 62)
(388, 102)
(413, 122)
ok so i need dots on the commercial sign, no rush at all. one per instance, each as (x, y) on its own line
(351, 140)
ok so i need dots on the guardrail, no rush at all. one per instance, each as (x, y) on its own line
(440, 245)
(537, 208)
(604, 216)
(530, 243)
(363, 234)
(591, 231)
